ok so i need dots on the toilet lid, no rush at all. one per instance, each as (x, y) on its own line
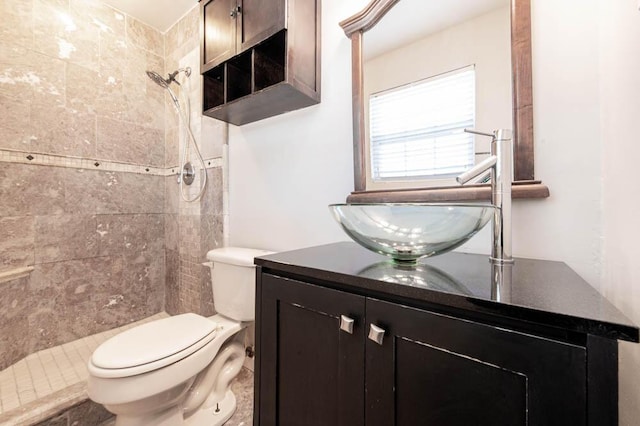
(153, 341)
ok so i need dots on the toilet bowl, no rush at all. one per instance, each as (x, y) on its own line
(178, 370)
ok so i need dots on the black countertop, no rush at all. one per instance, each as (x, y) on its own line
(539, 291)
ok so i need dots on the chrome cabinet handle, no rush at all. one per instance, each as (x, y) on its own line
(376, 334)
(346, 324)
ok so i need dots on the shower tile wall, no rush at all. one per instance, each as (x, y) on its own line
(191, 229)
(73, 84)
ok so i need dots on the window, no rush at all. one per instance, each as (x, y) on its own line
(416, 130)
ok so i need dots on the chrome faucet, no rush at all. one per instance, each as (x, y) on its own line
(501, 165)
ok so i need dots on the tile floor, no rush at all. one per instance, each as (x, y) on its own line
(242, 387)
(50, 380)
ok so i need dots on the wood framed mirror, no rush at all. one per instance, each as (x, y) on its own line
(524, 186)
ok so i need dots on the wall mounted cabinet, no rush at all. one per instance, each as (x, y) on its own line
(260, 58)
(340, 343)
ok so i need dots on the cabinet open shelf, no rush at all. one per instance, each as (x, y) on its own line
(213, 83)
(239, 76)
(247, 73)
(269, 62)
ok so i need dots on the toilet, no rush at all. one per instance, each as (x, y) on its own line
(178, 370)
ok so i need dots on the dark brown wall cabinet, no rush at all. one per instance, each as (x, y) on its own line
(319, 365)
(260, 58)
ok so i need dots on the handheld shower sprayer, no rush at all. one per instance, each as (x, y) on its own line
(171, 77)
(187, 171)
(166, 82)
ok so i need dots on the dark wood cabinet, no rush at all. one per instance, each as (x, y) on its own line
(260, 58)
(219, 32)
(429, 368)
(434, 345)
(435, 369)
(230, 27)
(445, 358)
(259, 20)
(312, 371)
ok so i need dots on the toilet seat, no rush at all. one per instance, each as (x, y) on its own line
(152, 346)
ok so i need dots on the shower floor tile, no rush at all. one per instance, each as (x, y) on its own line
(50, 380)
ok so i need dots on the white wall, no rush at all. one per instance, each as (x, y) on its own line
(586, 61)
(567, 226)
(285, 170)
(620, 109)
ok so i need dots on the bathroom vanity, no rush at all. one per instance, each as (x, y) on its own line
(345, 337)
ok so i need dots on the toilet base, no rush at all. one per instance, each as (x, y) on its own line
(215, 415)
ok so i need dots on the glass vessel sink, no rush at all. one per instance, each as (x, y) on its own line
(407, 232)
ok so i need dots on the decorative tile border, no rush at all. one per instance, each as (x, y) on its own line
(24, 157)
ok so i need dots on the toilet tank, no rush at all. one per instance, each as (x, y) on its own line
(233, 279)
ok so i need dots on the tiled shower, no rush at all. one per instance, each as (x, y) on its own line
(93, 232)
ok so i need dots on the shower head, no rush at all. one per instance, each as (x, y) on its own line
(165, 82)
(157, 78)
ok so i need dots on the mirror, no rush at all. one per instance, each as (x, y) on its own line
(385, 25)
(434, 42)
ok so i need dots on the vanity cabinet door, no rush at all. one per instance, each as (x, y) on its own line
(433, 369)
(311, 370)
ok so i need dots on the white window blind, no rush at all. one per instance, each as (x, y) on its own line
(416, 130)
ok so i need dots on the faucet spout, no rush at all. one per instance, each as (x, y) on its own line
(477, 170)
(501, 165)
